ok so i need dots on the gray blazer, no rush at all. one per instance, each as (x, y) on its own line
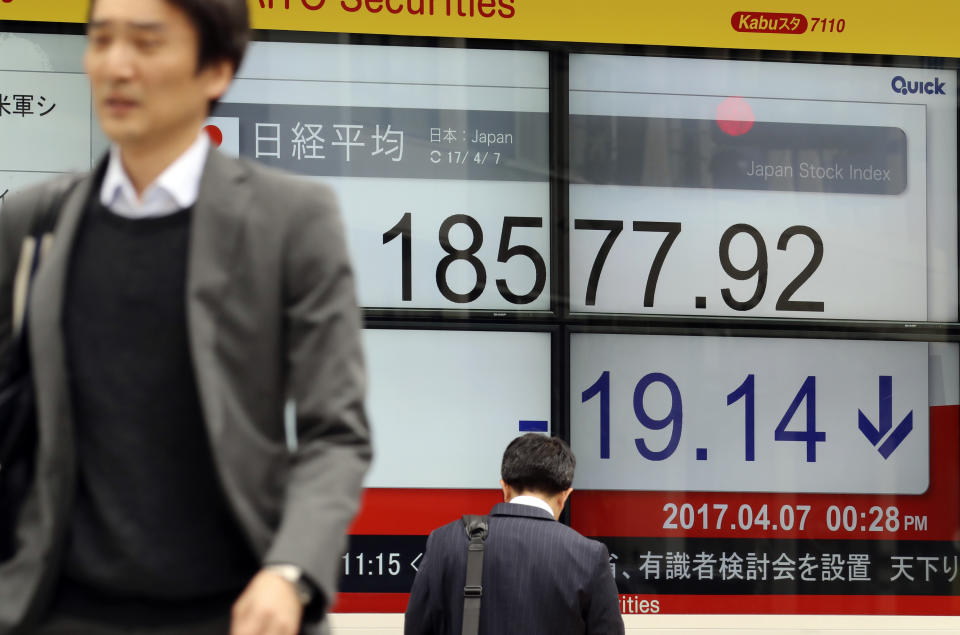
(272, 316)
(539, 578)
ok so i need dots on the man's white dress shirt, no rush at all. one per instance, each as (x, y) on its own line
(532, 501)
(175, 189)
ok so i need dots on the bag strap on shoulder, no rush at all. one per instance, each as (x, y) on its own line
(37, 243)
(477, 529)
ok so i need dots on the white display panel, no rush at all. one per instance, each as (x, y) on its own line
(438, 156)
(707, 187)
(380, 270)
(47, 116)
(46, 126)
(678, 413)
(444, 404)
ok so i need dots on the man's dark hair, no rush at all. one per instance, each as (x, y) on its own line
(537, 463)
(223, 29)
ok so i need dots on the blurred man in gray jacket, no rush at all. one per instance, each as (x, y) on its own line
(187, 298)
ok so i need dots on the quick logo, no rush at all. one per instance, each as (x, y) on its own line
(904, 87)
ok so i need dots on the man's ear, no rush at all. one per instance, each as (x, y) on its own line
(563, 496)
(217, 77)
(508, 492)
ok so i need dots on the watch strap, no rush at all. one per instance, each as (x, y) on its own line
(294, 575)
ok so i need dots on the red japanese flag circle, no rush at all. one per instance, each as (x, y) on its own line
(215, 134)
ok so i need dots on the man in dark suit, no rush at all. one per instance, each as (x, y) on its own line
(539, 576)
(187, 300)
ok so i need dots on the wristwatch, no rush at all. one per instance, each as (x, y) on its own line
(294, 575)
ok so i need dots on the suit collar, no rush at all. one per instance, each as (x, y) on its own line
(216, 232)
(523, 511)
(46, 305)
(532, 501)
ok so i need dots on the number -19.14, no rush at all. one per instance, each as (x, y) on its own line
(674, 418)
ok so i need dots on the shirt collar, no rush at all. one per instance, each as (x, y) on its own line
(532, 501)
(177, 187)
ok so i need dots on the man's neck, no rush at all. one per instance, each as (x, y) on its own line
(144, 162)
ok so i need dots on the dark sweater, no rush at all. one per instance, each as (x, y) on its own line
(150, 521)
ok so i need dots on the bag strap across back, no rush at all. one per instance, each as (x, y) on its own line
(477, 528)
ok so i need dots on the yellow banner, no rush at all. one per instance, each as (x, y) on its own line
(927, 28)
(44, 10)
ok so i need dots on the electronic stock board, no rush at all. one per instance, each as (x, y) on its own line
(657, 295)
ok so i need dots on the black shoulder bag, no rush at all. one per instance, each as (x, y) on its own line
(18, 407)
(477, 528)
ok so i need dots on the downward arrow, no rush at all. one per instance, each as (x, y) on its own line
(876, 433)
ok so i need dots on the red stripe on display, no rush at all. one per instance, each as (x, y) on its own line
(716, 604)
(371, 603)
(641, 514)
(417, 512)
(793, 604)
